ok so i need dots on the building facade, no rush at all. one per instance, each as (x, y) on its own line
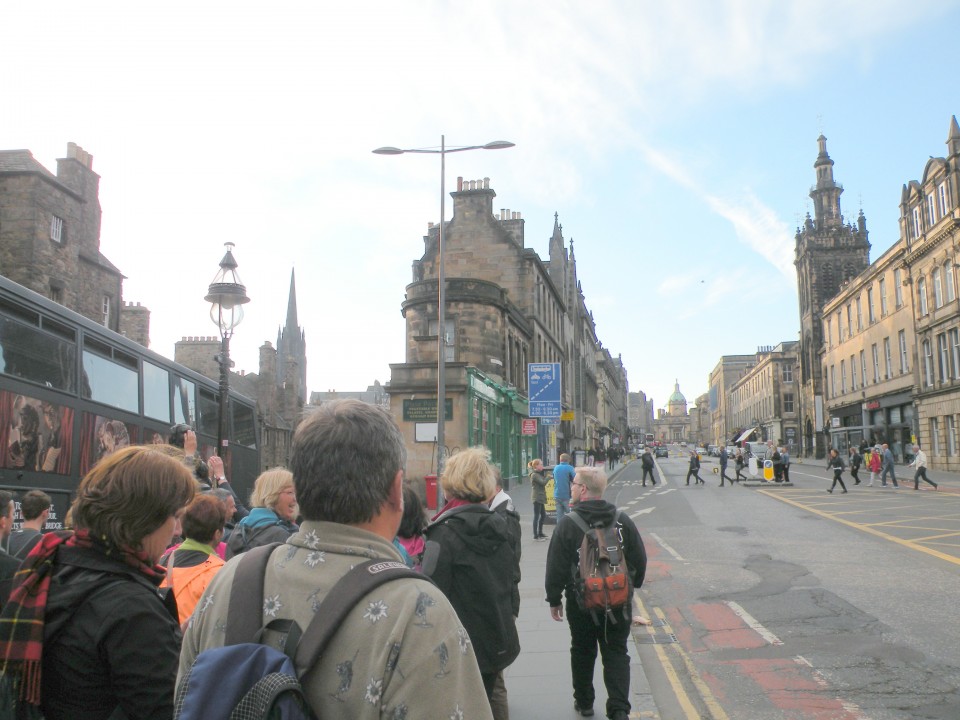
(828, 253)
(723, 430)
(765, 397)
(869, 358)
(930, 230)
(50, 239)
(505, 308)
(673, 422)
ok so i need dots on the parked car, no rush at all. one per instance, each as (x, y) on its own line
(701, 451)
(683, 444)
(661, 452)
(713, 450)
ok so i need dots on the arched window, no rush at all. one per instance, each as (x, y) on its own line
(949, 282)
(937, 289)
(922, 296)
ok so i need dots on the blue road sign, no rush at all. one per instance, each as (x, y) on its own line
(543, 381)
(550, 421)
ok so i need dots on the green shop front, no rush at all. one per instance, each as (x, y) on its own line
(495, 417)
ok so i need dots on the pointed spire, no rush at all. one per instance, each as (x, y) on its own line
(953, 140)
(292, 303)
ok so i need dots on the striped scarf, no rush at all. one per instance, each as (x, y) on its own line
(22, 619)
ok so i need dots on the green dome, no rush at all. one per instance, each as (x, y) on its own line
(677, 396)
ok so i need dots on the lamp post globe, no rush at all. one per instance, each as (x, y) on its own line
(227, 295)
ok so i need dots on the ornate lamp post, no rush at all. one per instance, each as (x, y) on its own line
(227, 296)
(442, 151)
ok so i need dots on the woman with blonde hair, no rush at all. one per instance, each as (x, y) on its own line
(273, 510)
(538, 493)
(469, 556)
(87, 634)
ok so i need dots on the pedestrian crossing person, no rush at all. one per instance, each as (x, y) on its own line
(836, 462)
(920, 463)
(694, 468)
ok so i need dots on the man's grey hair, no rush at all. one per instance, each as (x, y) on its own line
(594, 479)
(344, 459)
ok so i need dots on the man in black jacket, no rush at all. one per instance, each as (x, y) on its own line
(610, 634)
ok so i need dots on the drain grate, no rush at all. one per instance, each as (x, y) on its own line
(664, 639)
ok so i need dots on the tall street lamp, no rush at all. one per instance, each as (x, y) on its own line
(227, 296)
(442, 151)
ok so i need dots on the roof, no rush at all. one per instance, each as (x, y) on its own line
(20, 161)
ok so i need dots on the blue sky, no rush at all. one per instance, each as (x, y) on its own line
(675, 140)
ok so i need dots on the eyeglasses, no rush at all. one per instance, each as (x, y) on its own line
(578, 484)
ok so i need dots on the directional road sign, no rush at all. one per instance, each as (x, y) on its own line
(543, 380)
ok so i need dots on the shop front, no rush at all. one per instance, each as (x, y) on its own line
(846, 428)
(891, 420)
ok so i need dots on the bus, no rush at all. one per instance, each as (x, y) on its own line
(72, 391)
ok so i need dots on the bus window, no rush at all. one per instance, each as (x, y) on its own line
(33, 355)
(110, 383)
(184, 408)
(156, 385)
(243, 427)
(209, 415)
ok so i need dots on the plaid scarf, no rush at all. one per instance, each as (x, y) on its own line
(22, 619)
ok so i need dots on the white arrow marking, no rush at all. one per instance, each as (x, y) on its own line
(643, 512)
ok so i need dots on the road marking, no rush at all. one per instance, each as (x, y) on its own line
(643, 512)
(865, 528)
(666, 547)
(754, 623)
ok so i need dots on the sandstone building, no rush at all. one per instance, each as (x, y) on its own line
(50, 239)
(765, 398)
(723, 430)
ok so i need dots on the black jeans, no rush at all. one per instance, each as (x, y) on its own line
(539, 515)
(648, 471)
(585, 638)
(921, 473)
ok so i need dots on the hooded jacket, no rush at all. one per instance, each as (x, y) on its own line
(469, 557)
(261, 527)
(564, 551)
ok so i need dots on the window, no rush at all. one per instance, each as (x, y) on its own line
(876, 363)
(106, 310)
(927, 364)
(904, 364)
(829, 333)
(935, 435)
(56, 294)
(943, 357)
(954, 339)
(916, 222)
(31, 354)
(839, 327)
(849, 322)
(883, 298)
(860, 312)
(931, 211)
(156, 392)
(833, 381)
(184, 401)
(787, 373)
(113, 381)
(871, 315)
(942, 198)
(788, 402)
(898, 288)
(863, 368)
(843, 376)
(448, 338)
(853, 372)
(948, 281)
(922, 295)
(937, 289)
(888, 359)
(951, 435)
(56, 229)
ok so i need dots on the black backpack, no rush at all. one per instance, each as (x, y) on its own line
(247, 680)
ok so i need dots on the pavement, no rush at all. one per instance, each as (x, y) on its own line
(538, 682)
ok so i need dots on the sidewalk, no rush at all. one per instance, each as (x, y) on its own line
(538, 682)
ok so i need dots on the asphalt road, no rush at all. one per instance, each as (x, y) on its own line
(776, 602)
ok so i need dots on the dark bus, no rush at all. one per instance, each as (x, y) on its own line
(72, 391)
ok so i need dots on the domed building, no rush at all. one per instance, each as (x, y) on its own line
(673, 424)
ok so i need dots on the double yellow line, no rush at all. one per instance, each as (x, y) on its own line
(686, 702)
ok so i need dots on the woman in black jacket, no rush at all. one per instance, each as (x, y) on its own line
(87, 634)
(469, 556)
(836, 462)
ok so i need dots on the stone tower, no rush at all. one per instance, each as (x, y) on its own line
(829, 252)
(292, 350)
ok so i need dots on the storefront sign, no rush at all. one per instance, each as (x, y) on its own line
(528, 426)
(873, 405)
(425, 410)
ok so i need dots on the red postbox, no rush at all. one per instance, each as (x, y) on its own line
(431, 484)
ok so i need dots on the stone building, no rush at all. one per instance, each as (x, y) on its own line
(279, 386)
(722, 378)
(930, 230)
(673, 423)
(639, 415)
(868, 358)
(765, 398)
(829, 252)
(700, 424)
(50, 239)
(505, 308)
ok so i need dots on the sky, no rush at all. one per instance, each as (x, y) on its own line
(674, 141)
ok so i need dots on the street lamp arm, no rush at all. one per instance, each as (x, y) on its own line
(495, 145)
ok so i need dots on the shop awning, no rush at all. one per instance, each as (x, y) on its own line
(747, 434)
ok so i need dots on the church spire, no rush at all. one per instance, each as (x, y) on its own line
(292, 303)
(953, 139)
(826, 193)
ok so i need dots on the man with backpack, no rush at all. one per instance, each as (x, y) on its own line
(595, 560)
(400, 650)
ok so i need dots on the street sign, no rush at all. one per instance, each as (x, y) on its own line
(528, 426)
(543, 381)
(567, 416)
(550, 421)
